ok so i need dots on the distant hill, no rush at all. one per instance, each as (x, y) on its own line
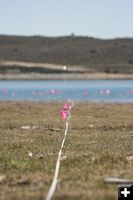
(96, 55)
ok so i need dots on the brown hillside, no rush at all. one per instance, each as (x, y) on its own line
(96, 55)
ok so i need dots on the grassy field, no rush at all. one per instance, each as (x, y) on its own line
(100, 137)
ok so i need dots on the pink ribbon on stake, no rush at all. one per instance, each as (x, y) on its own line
(65, 112)
(66, 106)
(64, 115)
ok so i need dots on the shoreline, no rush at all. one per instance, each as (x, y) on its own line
(19, 70)
(66, 76)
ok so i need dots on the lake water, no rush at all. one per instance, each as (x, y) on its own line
(58, 90)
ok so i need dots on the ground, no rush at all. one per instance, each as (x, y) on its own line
(99, 141)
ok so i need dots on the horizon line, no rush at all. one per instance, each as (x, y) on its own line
(67, 35)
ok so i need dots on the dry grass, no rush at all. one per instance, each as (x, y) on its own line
(93, 152)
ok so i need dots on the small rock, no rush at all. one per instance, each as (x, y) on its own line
(51, 154)
(63, 158)
(30, 154)
(21, 181)
(85, 154)
(39, 156)
(113, 180)
(25, 127)
(34, 127)
(91, 125)
(130, 157)
(2, 177)
(93, 158)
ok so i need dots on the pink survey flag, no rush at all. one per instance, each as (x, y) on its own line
(64, 115)
(65, 112)
(4, 90)
(66, 106)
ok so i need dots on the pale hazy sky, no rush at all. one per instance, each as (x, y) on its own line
(96, 18)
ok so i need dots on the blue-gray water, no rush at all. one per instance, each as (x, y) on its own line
(93, 91)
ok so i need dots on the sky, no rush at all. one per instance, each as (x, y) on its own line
(93, 18)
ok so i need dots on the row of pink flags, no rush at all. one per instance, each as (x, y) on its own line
(5, 91)
(33, 92)
(53, 91)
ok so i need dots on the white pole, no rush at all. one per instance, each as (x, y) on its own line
(55, 178)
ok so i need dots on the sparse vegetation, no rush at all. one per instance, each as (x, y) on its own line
(100, 138)
(93, 54)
